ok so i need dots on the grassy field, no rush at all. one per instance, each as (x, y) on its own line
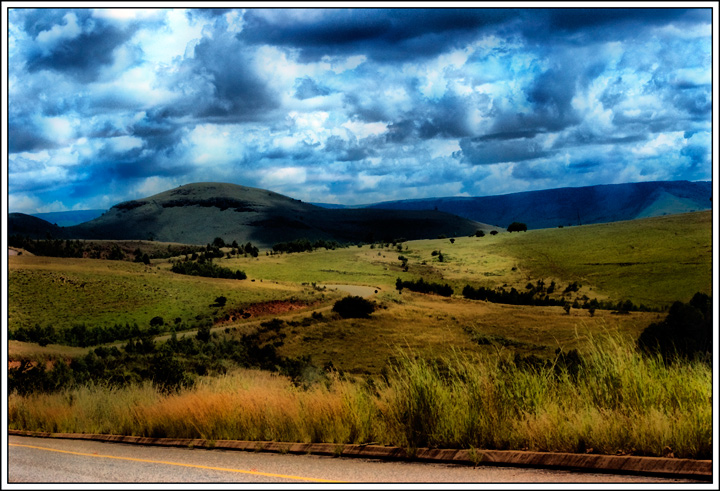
(652, 262)
(618, 403)
(64, 292)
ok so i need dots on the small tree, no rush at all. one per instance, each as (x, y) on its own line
(220, 301)
(517, 227)
(354, 307)
(480, 233)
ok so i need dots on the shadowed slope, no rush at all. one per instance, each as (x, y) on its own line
(197, 213)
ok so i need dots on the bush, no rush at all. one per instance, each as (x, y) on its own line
(517, 227)
(354, 307)
(422, 286)
(685, 332)
(208, 269)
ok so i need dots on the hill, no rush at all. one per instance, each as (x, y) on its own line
(572, 206)
(33, 227)
(69, 218)
(198, 213)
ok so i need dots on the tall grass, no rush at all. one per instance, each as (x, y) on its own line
(617, 401)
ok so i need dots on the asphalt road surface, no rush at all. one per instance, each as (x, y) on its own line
(45, 460)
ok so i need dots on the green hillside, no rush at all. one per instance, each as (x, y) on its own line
(652, 262)
(553, 377)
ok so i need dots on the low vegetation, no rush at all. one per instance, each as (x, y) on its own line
(354, 307)
(615, 401)
(208, 269)
(558, 342)
(422, 286)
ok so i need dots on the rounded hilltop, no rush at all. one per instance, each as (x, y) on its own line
(197, 213)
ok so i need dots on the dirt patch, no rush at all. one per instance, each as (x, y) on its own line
(274, 307)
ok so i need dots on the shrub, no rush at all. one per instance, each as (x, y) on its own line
(685, 332)
(208, 269)
(422, 286)
(354, 307)
(517, 227)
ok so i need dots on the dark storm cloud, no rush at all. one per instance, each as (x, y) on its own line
(400, 131)
(479, 151)
(341, 150)
(83, 56)
(220, 83)
(585, 166)
(583, 136)
(527, 172)
(381, 34)
(116, 166)
(159, 132)
(353, 103)
(36, 21)
(586, 25)
(550, 94)
(24, 136)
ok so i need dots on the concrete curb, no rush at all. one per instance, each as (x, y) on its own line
(650, 466)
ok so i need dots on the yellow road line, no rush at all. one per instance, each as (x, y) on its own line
(256, 473)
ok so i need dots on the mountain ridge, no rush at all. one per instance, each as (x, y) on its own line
(572, 205)
(212, 209)
(199, 212)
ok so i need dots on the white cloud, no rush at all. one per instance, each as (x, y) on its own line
(154, 185)
(363, 130)
(58, 129)
(282, 176)
(47, 39)
(124, 143)
(663, 143)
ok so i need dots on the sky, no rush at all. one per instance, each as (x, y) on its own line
(352, 105)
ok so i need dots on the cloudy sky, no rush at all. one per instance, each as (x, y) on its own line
(352, 105)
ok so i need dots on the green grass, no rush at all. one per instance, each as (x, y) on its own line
(667, 259)
(653, 261)
(352, 265)
(445, 359)
(64, 292)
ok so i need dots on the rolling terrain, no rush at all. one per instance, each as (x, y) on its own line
(198, 213)
(268, 357)
(572, 206)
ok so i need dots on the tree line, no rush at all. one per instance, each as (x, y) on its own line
(171, 365)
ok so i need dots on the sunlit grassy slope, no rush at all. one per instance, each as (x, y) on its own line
(653, 262)
(64, 292)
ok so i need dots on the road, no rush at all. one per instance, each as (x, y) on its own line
(46, 460)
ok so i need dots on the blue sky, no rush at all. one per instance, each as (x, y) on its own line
(352, 105)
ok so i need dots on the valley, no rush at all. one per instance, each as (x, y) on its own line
(281, 318)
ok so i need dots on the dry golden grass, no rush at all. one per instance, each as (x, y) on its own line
(619, 402)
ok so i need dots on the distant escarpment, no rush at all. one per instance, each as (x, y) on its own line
(198, 213)
(572, 206)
